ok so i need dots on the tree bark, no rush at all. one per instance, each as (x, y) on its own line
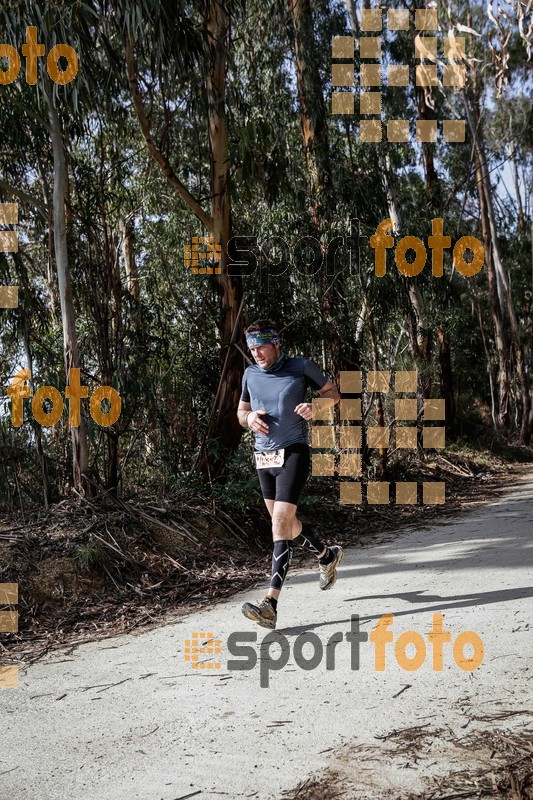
(159, 157)
(497, 269)
(496, 311)
(225, 426)
(351, 10)
(80, 453)
(446, 377)
(430, 172)
(315, 138)
(425, 112)
(493, 405)
(380, 414)
(312, 109)
(130, 264)
(41, 457)
(521, 217)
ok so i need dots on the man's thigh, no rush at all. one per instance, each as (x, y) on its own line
(270, 505)
(284, 485)
(292, 477)
(281, 509)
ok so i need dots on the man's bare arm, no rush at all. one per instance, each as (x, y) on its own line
(242, 413)
(330, 390)
(252, 419)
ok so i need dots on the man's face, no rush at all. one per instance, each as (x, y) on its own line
(265, 355)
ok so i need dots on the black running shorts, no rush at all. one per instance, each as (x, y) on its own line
(286, 483)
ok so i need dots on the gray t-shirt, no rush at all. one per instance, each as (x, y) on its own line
(279, 393)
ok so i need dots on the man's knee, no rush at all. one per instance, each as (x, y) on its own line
(283, 516)
(284, 512)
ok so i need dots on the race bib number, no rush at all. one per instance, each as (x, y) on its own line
(270, 458)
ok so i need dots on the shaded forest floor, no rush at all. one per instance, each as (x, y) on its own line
(89, 569)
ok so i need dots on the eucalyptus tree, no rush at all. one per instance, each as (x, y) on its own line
(501, 296)
(176, 60)
(72, 161)
(41, 101)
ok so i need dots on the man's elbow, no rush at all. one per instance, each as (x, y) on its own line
(333, 394)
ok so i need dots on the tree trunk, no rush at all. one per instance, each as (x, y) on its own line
(225, 427)
(425, 112)
(50, 279)
(521, 217)
(493, 408)
(531, 236)
(504, 290)
(351, 10)
(380, 414)
(446, 377)
(312, 109)
(128, 249)
(80, 453)
(41, 457)
(501, 273)
(417, 326)
(430, 172)
(420, 337)
(390, 193)
(497, 319)
(315, 138)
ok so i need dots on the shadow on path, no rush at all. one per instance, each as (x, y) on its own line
(470, 600)
(496, 538)
(488, 541)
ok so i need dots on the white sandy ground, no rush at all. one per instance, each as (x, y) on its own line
(128, 719)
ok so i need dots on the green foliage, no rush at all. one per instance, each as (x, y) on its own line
(89, 556)
(160, 346)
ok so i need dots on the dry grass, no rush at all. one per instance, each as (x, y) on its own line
(483, 765)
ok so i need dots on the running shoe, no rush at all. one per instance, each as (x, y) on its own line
(328, 572)
(263, 613)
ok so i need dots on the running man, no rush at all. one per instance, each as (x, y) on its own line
(271, 405)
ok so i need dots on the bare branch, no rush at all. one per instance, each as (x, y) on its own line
(154, 151)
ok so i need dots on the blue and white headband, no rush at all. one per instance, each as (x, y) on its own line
(267, 336)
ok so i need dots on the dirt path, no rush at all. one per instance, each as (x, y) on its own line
(129, 719)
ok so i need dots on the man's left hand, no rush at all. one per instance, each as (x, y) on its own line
(305, 410)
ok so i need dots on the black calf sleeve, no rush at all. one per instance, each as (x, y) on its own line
(308, 540)
(281, 561)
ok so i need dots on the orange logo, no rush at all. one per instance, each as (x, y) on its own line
(210, 252)
(202, 644)
(9, 675)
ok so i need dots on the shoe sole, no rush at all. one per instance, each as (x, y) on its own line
(264, 623)
(334, 579)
